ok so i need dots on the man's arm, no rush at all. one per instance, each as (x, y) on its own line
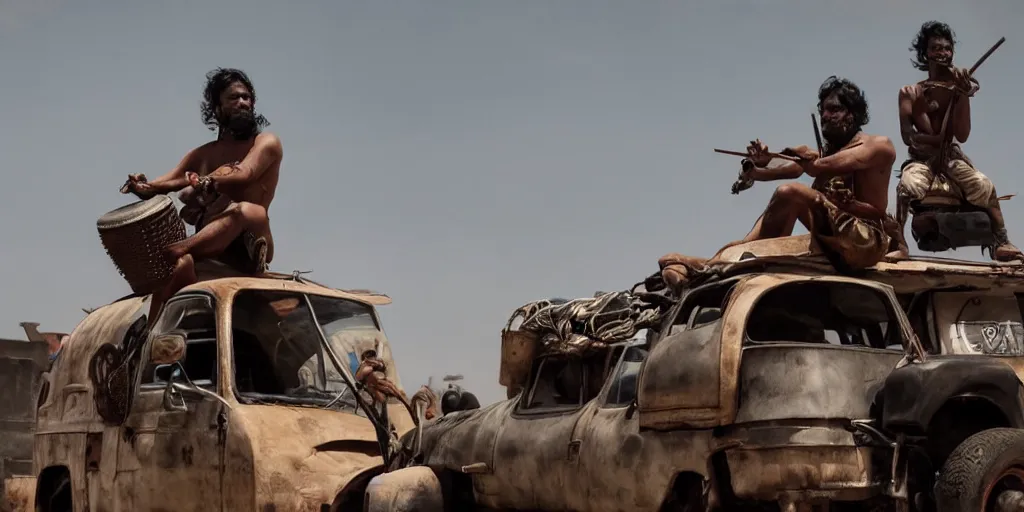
(907, 130)
(265, 152)
(874, 152)
(786, 171)
(173, 181)
(915, 128)
(966, 86)
(962, 118)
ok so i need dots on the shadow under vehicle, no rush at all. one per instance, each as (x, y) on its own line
(771, 383)
(240, 398)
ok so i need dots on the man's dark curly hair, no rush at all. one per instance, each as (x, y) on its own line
(919, 46)
(849, 95)
(218, 80)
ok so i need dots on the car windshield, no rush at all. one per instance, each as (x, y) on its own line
(278, 354)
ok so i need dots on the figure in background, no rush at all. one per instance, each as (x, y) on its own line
(923, 107)
(845, 208)
(227, 186)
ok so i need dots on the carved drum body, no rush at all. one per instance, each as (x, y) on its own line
(134, 237)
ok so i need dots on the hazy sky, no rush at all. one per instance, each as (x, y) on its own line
(462, 157)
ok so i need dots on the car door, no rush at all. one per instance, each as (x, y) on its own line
(171, 454)
(689, 379)
(615, 468)
(532, 448)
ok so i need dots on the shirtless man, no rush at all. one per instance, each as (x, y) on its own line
(227, 186)
(845, 207)
(923, 107)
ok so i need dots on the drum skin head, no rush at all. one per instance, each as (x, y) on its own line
(134, 212)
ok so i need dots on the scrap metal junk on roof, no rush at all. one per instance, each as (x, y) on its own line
(576, 327)
(579, 325)
(134, 237)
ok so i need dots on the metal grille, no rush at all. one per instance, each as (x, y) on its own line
(134, 237)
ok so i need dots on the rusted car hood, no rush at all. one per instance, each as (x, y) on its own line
(303, 457)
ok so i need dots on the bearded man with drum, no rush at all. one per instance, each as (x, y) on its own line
(227, 186)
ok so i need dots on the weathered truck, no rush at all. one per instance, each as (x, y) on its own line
(770, 383)
(240, 398)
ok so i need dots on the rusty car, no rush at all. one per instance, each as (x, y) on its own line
(240, 397)
(770, 383)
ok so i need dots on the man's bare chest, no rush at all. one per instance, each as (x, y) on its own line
(933, 102)
(218, 157)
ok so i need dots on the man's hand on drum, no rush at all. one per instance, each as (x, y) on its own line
(202, 184)
(138, 185)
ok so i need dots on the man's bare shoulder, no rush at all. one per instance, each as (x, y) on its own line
(268, 138)
(877, 140)
(882, 145)
(268, 142)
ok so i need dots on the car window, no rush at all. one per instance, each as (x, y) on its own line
(278, 353)
(701, 307)
(624, 381)
(195, 316)
(825, 312)
(557, 384)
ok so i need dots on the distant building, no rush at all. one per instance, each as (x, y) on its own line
(54, 340)
(22, 364)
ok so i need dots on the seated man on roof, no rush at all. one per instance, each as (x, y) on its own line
(845, 208)
(227, 186)
(933, 145)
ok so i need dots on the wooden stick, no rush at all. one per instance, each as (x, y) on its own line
(949, 110)
(817, 135)
(747, 155)
(985, 56)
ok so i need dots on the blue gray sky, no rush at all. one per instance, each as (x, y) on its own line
(464, 157)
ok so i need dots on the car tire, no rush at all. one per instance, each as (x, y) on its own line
(413, 489)
(984, 473)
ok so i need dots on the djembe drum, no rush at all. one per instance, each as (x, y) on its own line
(134, 237)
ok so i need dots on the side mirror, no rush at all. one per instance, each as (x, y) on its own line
(167, 351)
(167, 348)
(170, 392)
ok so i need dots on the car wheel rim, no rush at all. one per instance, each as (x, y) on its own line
(1006, 492)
